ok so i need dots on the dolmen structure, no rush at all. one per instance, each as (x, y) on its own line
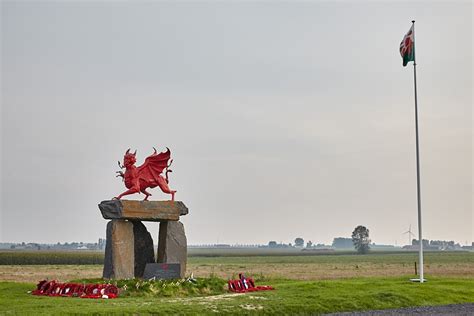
(129, 250)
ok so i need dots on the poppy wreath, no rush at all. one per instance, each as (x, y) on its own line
(244, 285)
(54, 288)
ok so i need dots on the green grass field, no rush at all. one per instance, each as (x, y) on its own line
(305, 284)
(289, 297)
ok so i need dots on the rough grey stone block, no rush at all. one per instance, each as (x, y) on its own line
(119, 251)
(108, 271)
(144, 250)
(153, 211)
(172, 245)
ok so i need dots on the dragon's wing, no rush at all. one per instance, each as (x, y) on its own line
(154, 165)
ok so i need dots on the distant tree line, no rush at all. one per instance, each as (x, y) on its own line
(299, 243)
(360, 241)
(59, 246)
(437, 244)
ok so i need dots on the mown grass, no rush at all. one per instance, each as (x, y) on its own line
(290, 297)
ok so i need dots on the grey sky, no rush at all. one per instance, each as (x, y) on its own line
(285, 119)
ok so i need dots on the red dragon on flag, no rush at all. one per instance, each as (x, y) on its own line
(407, 47)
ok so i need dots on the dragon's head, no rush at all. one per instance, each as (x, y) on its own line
(129, 159)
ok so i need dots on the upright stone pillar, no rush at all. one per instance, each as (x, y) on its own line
(119, 251)
(172, 245)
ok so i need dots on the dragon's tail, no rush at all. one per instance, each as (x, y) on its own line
(166, 175)
(168, 170)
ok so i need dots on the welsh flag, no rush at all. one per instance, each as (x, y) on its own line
(407, 47)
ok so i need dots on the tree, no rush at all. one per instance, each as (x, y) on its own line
(360, 239)
(309, 244)
(299, 242)
(272, 244)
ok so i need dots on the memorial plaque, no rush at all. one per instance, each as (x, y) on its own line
(162, 271)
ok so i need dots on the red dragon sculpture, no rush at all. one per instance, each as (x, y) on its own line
(148, 175)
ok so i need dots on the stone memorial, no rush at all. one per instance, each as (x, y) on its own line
(162, 271)
(129, 250)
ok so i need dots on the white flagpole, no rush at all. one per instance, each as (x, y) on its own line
(418, 186)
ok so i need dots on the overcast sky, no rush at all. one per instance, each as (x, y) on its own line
(285, 119)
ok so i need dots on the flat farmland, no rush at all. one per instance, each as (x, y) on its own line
(335, 266)
(264, 265)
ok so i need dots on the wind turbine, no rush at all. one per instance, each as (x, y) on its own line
(409, 232)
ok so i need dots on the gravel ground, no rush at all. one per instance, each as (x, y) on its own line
(453, 309)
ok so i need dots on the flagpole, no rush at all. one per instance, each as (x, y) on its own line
(418, 186)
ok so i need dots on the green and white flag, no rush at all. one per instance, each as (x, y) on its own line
(407, 47)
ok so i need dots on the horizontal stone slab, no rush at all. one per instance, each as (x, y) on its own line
(152, 211)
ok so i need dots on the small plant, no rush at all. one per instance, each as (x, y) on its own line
(166, 288)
